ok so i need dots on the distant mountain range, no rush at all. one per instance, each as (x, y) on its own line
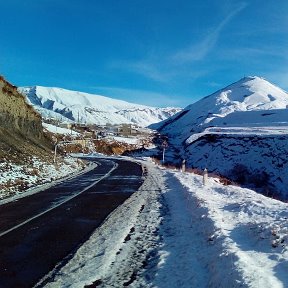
(74, 106)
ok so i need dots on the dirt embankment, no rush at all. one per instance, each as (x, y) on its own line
(21, 132)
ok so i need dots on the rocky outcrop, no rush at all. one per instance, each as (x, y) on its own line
(21, 132)
(257, 161)
(16, 114)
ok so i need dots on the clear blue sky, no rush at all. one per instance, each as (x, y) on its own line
(154, 52)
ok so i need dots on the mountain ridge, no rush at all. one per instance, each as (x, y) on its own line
(91, 108)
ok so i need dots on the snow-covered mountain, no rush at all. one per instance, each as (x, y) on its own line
(248, 94)
(67, 105)
(240, 132)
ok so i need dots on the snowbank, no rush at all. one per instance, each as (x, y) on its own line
(245, 233)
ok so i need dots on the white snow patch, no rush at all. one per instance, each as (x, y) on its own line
(59, 130)
(127, 140)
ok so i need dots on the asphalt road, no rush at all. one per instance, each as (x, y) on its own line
(40, 231)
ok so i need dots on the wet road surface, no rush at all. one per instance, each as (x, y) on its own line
(39, 231)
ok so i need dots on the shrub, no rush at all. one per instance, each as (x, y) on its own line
(223, 180)
(239, 173)
(194, 171)
(260, 179)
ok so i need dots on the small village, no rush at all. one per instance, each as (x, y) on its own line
(91, 138)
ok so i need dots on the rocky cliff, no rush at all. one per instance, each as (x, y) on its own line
(256, 161)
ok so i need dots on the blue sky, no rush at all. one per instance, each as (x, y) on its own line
(153, 52)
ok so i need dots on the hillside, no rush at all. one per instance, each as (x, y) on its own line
(75, 106)
(239, 131)
(21, 132)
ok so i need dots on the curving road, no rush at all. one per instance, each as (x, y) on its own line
(40, 231)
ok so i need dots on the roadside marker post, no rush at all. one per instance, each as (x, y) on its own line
(55, 153)
(205, 177)
(183, 165)
(164, 146)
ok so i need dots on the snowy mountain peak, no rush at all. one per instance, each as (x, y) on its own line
(248, 94)
(75, 106)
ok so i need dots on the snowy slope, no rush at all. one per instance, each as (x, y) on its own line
(248, 94)
(90, 108)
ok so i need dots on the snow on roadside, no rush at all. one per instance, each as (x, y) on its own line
(246, 234)
(175, 232)
(21, 180)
